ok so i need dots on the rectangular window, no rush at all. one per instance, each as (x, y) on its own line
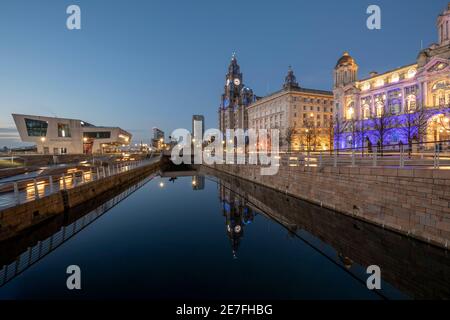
(97, 135)
(63, 130)
(36, 128)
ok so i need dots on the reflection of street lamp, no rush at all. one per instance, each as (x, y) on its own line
(161, 184)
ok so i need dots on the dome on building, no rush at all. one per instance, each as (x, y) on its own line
(345, 60)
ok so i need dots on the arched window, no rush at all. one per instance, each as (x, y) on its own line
(441, 93)
(350, 112)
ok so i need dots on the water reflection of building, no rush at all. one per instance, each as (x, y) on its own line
(198, 182)
(237, 215)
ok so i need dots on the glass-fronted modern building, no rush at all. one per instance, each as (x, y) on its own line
(69, 136)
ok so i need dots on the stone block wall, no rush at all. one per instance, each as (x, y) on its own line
(415, 202)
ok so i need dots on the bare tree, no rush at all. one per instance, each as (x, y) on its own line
(289, 136)
(309, 134)
(382, 125)
(443, 121)
(329, 126)
(340, 126)
(414, 126)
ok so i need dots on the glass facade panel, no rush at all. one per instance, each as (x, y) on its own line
(36, 128)
(63, 130)
(97, 135)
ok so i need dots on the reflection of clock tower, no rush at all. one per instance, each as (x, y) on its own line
(235, 99)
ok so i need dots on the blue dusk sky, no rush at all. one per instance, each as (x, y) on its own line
(139, 64)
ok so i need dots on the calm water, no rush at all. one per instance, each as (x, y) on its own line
(216, 237)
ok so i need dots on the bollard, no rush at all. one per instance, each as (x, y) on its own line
(98, 174)
(16, 193)
(104, 172)
(36, 192)
(353, 157)
(50, 183)
(109, 171)
(374, 164)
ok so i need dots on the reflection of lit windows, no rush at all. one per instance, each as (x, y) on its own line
(36, 128)
(63, 130)
(411, 73)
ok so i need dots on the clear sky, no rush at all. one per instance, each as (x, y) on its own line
(139, 64)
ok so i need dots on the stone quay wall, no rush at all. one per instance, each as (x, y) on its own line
(18, 218)
(414, 202)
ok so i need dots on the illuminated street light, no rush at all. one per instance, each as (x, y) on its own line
(43, 139)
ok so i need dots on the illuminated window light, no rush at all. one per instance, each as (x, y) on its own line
(395, 77)
(379, 83)
(411, 73)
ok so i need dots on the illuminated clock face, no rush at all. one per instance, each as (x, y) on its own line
(237, 81)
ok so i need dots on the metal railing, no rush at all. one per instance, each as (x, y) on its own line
(15, 192)
(430, 155)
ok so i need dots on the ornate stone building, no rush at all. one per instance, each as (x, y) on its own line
(235, 99)
(303, 115)
(420, 89)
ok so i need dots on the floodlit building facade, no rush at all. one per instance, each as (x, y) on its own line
(399, 106)
(303, 116)
(69, 136)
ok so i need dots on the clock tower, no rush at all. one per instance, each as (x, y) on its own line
(235, 99)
